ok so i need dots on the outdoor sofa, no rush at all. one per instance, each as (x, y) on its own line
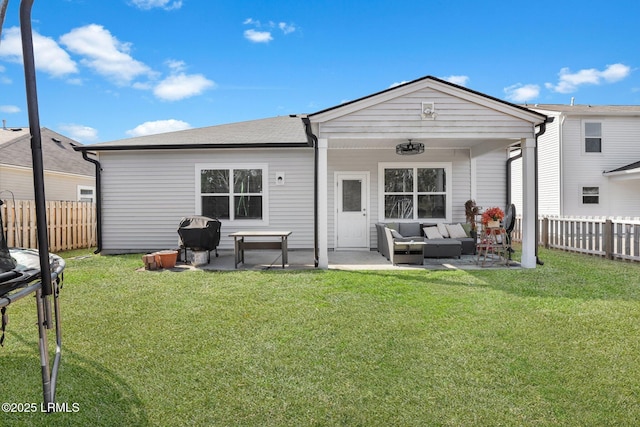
(437, 239)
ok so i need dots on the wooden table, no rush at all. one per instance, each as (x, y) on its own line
(240, 243)
(493, 247)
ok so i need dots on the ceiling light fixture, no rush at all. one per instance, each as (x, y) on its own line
(409, 148)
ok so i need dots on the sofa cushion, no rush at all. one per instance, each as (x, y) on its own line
(442, 228)
(395, 234)
(409, 228)
(456, 231)
(432, 233)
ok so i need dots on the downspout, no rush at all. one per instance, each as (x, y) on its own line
(509, 161)
(543, 128)
(314, 141)
(98, 200)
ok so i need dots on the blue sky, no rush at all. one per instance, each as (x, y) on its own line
(114, 69)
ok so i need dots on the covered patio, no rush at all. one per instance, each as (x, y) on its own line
(338, 260)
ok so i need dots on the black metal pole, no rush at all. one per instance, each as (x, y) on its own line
(36, 148)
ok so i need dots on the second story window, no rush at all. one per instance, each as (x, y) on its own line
(593, 137)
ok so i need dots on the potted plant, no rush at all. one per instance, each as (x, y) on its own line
(491, 217)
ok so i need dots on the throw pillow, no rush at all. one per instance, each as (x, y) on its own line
(456, 231)
(443, 230)
(432, 233)
(395, 234)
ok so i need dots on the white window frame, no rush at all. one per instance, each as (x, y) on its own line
(447, 166)
(230, 167)
(584, 138)
(84, 196)
(582, 195)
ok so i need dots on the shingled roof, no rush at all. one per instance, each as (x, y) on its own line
(282, 131)
(58, 154)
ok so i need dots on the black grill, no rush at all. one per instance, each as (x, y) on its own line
(199, 233)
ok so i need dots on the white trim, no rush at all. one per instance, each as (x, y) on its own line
(336, 203)
(231, 166)
(86, 187)
(448, 168)
(583, 138)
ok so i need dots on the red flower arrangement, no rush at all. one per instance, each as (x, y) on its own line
(492, 214)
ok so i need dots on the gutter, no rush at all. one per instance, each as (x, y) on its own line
(509, 161)
(313, 139)
(98, 199)
(194, 146)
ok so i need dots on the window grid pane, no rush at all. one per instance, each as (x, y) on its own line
(402, 192)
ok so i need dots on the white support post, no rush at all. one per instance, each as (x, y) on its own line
(323, 209)
(529, 238)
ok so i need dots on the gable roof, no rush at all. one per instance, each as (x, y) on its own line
(276, 132)
(58, 154)
(443, 85)
(587, 110)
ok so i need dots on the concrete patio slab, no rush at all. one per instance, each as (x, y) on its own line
(338, 260)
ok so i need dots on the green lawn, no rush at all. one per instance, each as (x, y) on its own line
(559, 345)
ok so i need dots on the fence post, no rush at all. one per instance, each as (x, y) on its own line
(545, 232)
(607, 235)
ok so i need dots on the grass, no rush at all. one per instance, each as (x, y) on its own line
(557, 345)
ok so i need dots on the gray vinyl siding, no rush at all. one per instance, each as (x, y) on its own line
(145, 194)
(345, 160)
(400, 118)
(491, 180)
(549, 170)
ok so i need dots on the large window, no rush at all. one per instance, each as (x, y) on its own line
(415, 191)
(593, 137)
(234, 193)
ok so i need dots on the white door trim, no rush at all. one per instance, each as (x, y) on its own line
(366, 181)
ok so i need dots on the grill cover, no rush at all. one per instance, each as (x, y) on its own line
(199, 233)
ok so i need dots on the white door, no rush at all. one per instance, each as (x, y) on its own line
(352, 216)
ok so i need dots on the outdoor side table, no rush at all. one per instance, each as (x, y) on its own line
(408, 252)
(241, 244)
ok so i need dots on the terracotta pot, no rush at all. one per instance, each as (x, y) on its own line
(166, 259)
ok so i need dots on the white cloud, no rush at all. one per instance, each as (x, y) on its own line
(522, 93)
(9, 109)
(49, 56)
(569, 82)
(79, 132)
(150, 4)
(158, 126)
(396, 84)
(457, 80)
(286, 28)
(104, 53)
(180, 86)
(258, 36)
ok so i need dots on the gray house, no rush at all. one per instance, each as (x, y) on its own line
(328, 176)
(67, 175)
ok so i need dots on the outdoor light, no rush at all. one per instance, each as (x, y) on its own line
(409, 148)
(428, 110)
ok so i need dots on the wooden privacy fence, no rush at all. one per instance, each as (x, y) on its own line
(70, 225)
(612, 238)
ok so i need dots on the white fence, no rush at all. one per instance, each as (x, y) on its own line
(612, 238)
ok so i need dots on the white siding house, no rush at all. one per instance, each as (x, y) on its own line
(588, 161)
(336, 171)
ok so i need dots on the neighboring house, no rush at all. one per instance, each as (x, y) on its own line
(588, 161)
(328, 176)
(67, 175)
